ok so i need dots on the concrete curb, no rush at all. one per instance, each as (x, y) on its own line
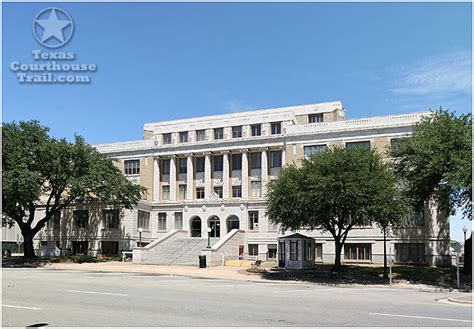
(459, 300)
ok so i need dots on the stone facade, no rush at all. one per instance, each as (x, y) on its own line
(201, 172)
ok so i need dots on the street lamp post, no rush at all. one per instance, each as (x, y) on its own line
(464, 229)
(209, 237)
(140, 231)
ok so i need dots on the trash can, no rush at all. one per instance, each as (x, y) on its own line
(202, 261)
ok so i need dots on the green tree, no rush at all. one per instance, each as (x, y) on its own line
(42, 172)
(334, 191)
(436, 162)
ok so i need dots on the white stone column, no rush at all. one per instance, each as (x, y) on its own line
(225, 174)
(207, 175)
(245, 174)
(283, 156)
(173, 178)
(156, 179)
(264, 171)
(189, 177)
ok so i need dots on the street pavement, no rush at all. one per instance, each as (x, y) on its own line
(66, 298)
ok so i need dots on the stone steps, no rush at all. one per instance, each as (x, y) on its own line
(178, 252)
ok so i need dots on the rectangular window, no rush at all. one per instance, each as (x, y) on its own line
(255, 160)
(272, 251)
(311, 149)
(218, 162)
(182, 166)
(110, 247)
(166, 192)
(80, 218)
(253, 249)
(256, 130)
(200, 164)
(132, 167)
(358, 251)
(178, 220)
(237, 161)
(55, 222)
(200, 135)
(256, 189)
(315, 117)
(162, 221)
(183, 137)
(199, 192)
(253, 220)
(417, 218)
(165, 166)
(293, 250)
(307, 251)
(143, 220)
(236, 191)
(218, 133)
(276, 128)
(167, 139)
(182, 191)
(275, 159)
(410, 252)
(219, 191)
(237, 132)
(80, 247)
(111, 218)
(362, 144)
(318, 251)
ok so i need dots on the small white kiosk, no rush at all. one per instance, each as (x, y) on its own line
(296, 251)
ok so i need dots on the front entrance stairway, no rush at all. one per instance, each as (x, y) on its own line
(184, 251)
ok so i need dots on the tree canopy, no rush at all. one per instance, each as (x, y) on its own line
(41, 171)
(334, 191)
(436, 161)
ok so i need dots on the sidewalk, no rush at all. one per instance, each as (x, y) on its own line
(219, 272)
(461, 299)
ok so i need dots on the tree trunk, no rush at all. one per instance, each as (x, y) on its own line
(337, 260)
(29, 251)
(385, 270)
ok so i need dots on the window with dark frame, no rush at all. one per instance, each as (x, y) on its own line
(236, 191)
(165, 166)
(315, 117)
(81, 219)
(218, 133)
(183, 137)
(307, 251)
(200, 164)
(200, 135)
(111, 218)
(276, 128)
(256, 130)
(255, 160)
(318, 251)
(358, 251)
(143, 220)
(167, 138)
(237, 161)
(166, 192)
(182, 191)
(361, 144)
(237, 132)
(161, 221)
(132, 167)
(219, 191)
(253, 249)
(253, 220)
(312, 149)
(218, 162)
(410, 253)
(293, 250)
(178, 220)
(275, 159)
(182, 165)
(200, 193)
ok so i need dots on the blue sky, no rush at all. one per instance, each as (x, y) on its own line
(169, 60)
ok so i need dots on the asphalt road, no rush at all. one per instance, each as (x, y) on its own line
(76, 298)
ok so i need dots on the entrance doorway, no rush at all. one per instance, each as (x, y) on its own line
(195, 227)
(215, 225)
(232, 223)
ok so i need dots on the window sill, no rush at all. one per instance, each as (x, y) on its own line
(253, 231)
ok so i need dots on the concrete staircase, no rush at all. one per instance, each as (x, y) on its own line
(178, 252)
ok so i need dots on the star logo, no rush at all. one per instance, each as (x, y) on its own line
(53, 27)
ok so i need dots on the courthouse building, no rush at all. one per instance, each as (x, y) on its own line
(207, 177)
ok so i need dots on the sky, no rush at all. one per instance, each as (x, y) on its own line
(160, 61)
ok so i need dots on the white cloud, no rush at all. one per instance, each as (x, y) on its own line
(437, 75)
